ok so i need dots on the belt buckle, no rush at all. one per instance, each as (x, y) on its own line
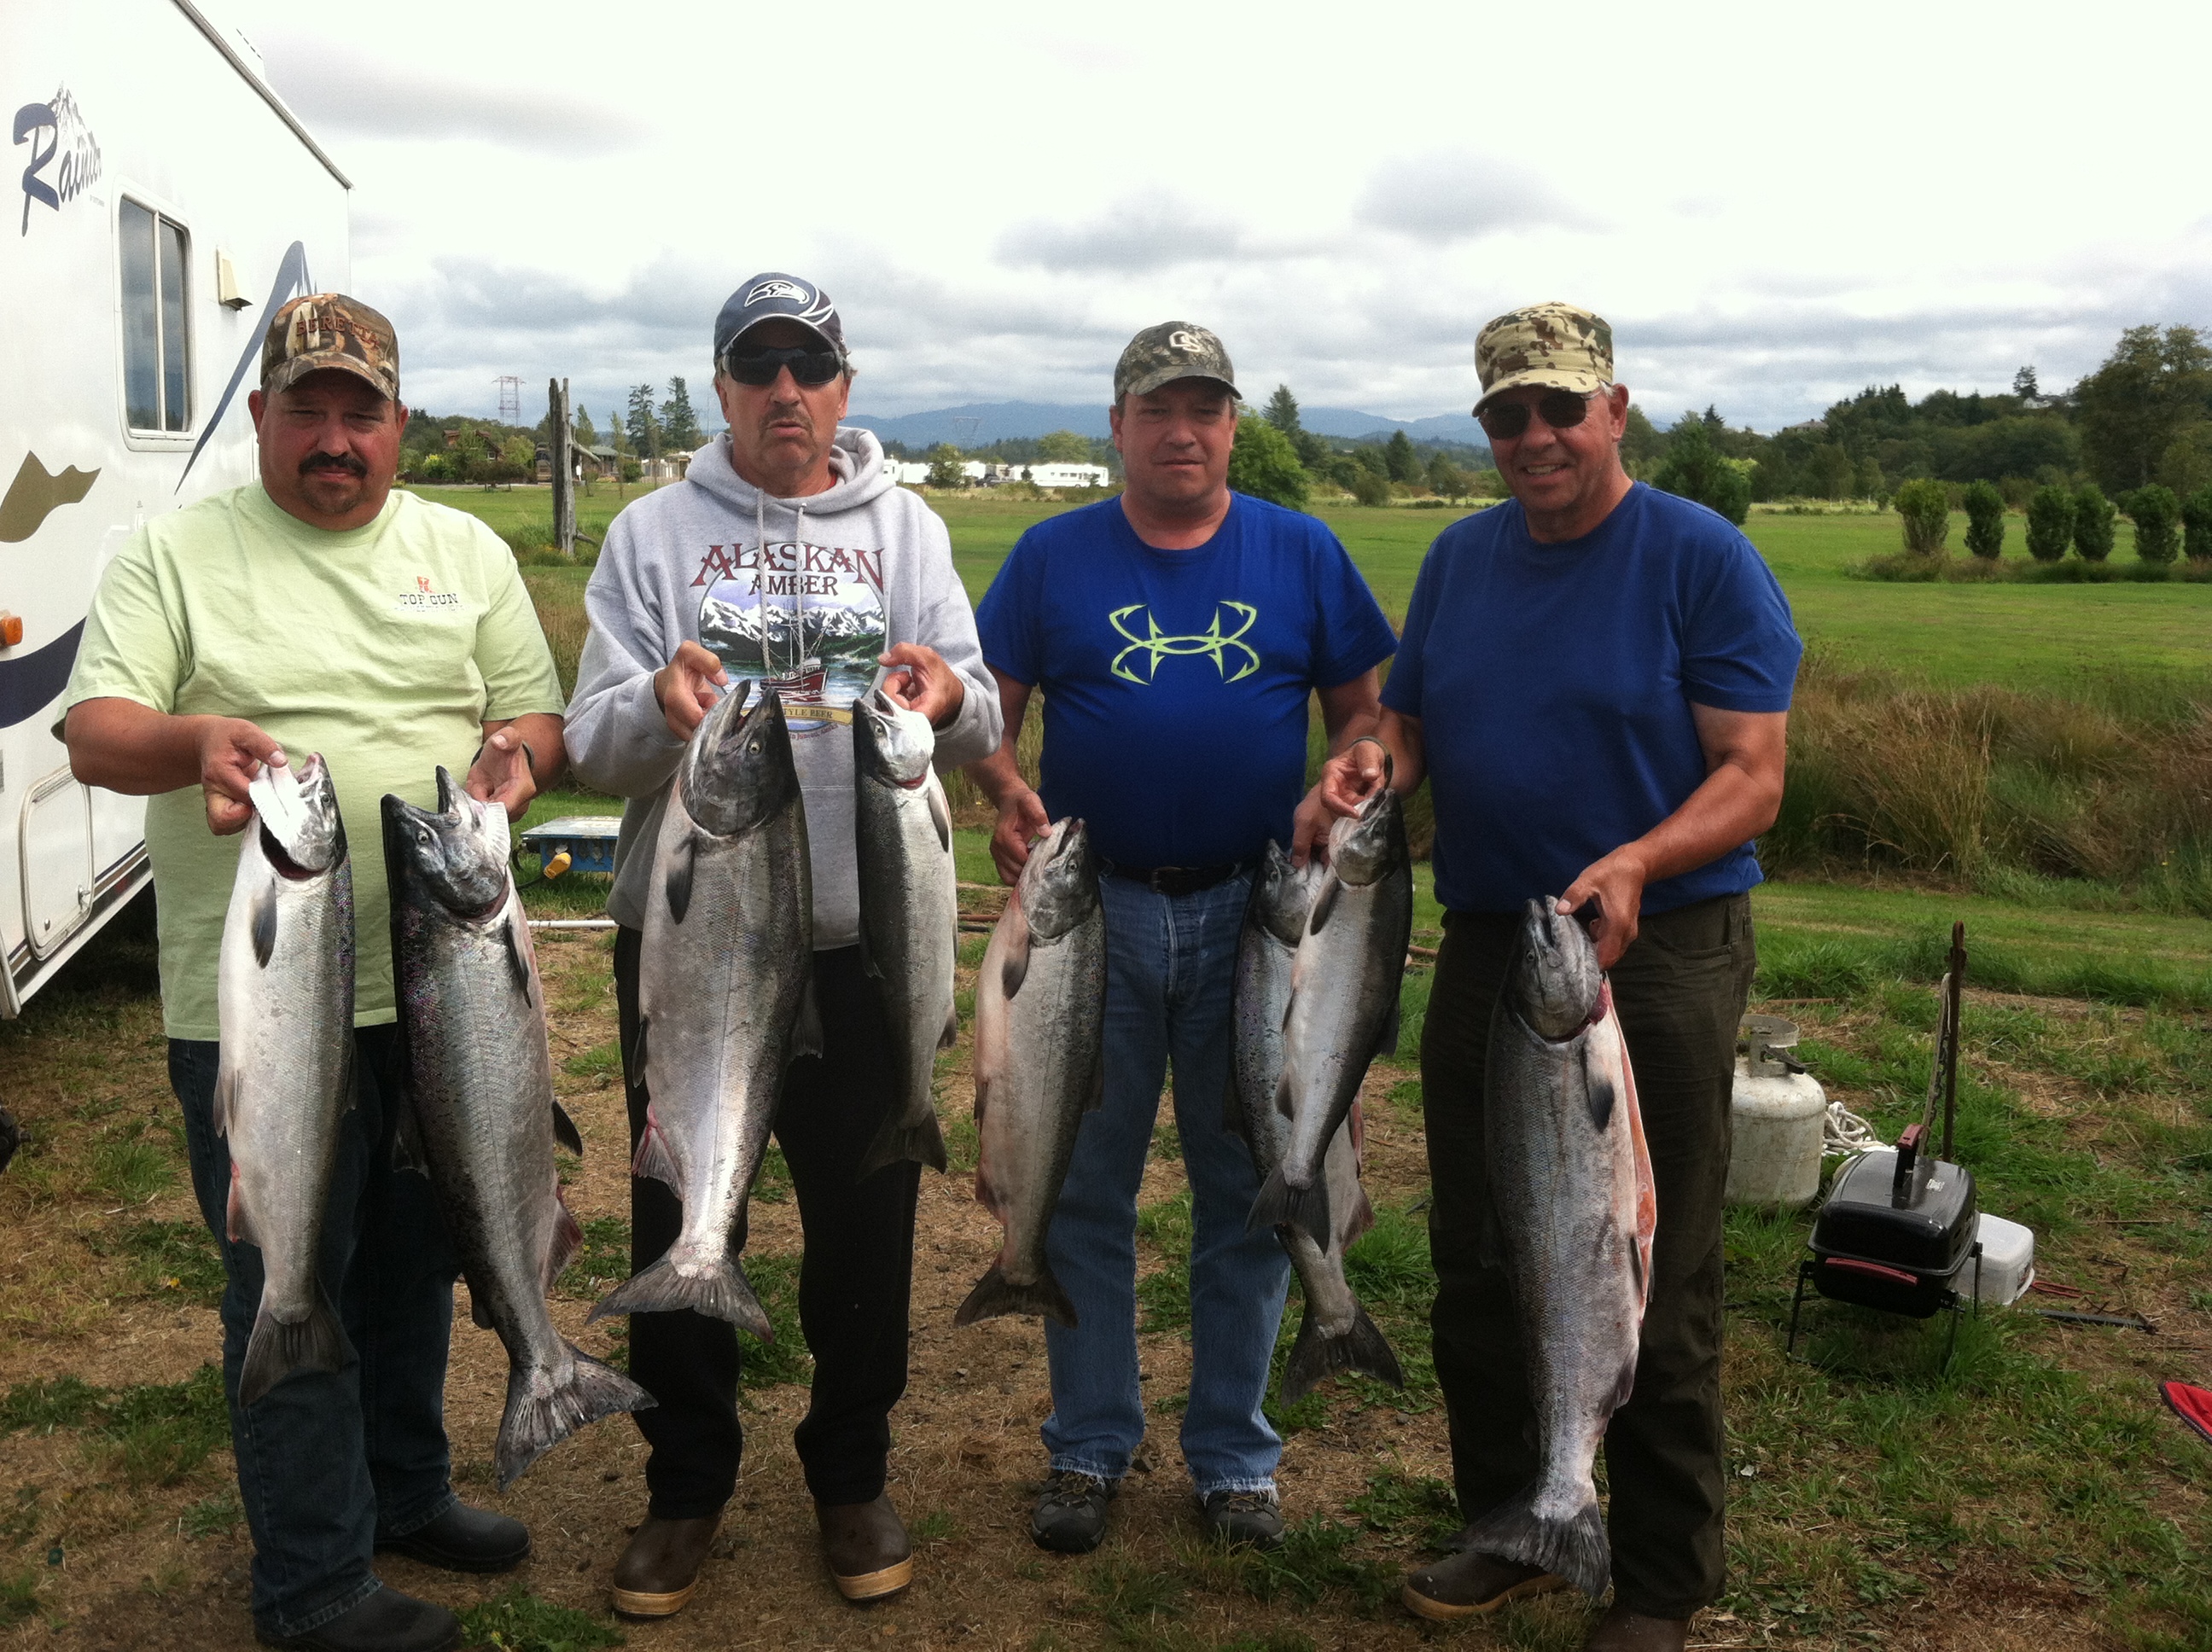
(1157, 882)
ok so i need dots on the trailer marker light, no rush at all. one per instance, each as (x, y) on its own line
(11, 629)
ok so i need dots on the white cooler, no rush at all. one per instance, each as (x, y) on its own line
(2007, 1259)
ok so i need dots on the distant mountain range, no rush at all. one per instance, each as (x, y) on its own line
(979, 423)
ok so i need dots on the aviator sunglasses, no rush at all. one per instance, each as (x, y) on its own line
(1562, 409)
(809, 365)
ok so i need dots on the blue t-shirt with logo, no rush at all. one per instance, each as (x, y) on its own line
(1554, 682)
(1176, 682)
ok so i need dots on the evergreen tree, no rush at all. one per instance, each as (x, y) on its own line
(1400, 461)
(1985, 523)
(2197, 520)
(582, 431)
(2092, 522)
(680, 425)
(2157, 516)
(1695, 470)
(2050, 523)
(1282, 412)
(644, 432)
(1923, 507)
(1262, 463)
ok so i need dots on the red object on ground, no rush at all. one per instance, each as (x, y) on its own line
(2192, 1405)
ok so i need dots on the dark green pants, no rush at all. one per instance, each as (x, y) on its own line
(1680, 991)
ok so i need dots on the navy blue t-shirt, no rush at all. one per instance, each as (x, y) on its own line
(1554, 682)
(1176, 682)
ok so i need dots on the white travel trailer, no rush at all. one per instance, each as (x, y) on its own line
(166, 202)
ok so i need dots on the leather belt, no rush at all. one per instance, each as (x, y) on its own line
(1177, 880)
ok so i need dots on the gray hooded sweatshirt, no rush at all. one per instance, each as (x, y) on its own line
(845, 575)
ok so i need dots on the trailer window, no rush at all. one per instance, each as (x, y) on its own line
(156, 350)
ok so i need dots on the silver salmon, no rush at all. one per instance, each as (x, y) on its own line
(910, 914)
(284, 1078)
(472, 1017)
(1345, 982)
(1335, 1334)
(1040, 1064)
(725, 1001)
(1570, 1185)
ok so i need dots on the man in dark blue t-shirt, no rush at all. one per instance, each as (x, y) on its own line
(1176, 634)
(1595, 678)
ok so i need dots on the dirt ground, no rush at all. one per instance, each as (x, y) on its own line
(125, 1573)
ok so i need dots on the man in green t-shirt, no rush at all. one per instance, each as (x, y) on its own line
(319, 610)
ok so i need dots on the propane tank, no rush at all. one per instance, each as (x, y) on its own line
(1779, 1113)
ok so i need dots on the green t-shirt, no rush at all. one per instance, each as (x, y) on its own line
(386, 648)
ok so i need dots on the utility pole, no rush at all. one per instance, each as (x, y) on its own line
(510, 399)
(564, 482)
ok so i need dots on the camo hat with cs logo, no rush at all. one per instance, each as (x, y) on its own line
(1551, 346)
(329, 329)
(1174, 349)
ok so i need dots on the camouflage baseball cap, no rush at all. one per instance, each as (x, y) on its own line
(1174, 349)
(1551, 346)
(329, 329)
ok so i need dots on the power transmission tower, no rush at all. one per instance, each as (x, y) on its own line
(967, 425)
(510, 399)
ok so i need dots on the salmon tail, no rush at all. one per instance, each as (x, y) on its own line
(720, 1290)
(1282, 1205)
(537, 1421)
(900, 1138)
(1316, 1356)
(1574, 1548)
(995, 1294)
(274, 1350)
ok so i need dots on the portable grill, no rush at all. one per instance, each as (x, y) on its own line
(1897, 1230)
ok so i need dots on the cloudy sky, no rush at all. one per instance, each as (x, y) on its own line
(1772, 206)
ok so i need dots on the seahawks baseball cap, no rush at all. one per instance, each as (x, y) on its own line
(1174, 349)
(772, 296)
(329, 329)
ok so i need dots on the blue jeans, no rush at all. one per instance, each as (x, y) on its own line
(1171, 967)
(328, 1462)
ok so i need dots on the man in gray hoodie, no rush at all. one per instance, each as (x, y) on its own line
(787, 554)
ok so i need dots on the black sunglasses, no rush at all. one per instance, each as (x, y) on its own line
(1563, 410)
(809, 365)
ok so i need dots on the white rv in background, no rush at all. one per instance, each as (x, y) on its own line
(161, 201)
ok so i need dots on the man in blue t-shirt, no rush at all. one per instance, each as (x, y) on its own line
(1176, 634)
(1595, 679)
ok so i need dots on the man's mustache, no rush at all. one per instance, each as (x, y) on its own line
(791, 413)
(346, 462)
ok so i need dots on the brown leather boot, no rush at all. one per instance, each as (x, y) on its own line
(1469, 1584)
(866, 1544)
(661, 1567)
(1623, 1631)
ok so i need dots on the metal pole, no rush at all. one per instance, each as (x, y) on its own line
(1952, 982)
(564, 486)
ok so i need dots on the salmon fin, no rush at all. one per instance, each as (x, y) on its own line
(407, 1152)
(1315, 1357)
(1283, 1104)
(226, 1096)
(1357, 1220)
(982, 1099)
(535, 1423)
(653, 1161)
(1282, 1205)
(941, 818)
(1014, 967)
(276, 1351)
(633, 1058)
(1574, 1548)
(1647, 1197)
(805, 1025)
(518, 962)
(898, 1139)
(1598, 1095)
(479, 1315)
(264, 926)
(950, 1036)
(565, 1131)
(721, 1291)
(1324, 903)
(987, 1195)
(1385, 1036)
(678, 884)
(568, 1238)
(1355, 1122)
(237, 1226)
(995, 1294)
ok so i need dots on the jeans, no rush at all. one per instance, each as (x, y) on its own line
(1171, 967)
(1679, 992)
(329, 1461)
(854, 1281)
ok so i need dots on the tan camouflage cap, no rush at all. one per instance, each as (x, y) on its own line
(1551, 346)
(329, 329)
(1174, 349)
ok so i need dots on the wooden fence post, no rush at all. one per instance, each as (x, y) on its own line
(564, 483)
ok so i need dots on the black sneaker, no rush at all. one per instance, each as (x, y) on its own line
(1252, 1517)
(1070, 1513)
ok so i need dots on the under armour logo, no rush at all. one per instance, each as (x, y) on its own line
(1156, 647)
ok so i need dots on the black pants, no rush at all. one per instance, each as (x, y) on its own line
(1679, 992)
(853, 1285)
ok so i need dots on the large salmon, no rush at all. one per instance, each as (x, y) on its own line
(1040, 1064)
(910, 914)
(472, 1015)
(1345, 982)
(1571, 1188)
(726, 1002)
(1335, 1334)
(284, 1078)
